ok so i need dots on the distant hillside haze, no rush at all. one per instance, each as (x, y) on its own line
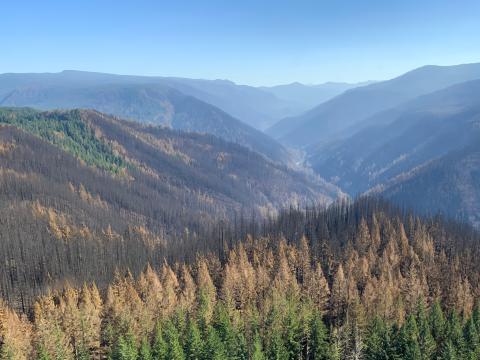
(449, 185)
(309, 96)
(128, 97)
(254, 106)
(334, 118)
(399, 139)
(423, 154)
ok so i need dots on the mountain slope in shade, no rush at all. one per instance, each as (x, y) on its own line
(449, 185)
(253, 106)
(149, 103)
(309, 96)
(335, 117)
(154, 170)
(401, 139)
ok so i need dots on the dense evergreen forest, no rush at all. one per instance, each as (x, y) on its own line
(355, 280)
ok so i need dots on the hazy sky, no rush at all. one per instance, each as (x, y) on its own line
(259, 42)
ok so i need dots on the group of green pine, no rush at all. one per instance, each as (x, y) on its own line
(67, 131)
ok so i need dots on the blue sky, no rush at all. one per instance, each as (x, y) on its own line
(250, 42)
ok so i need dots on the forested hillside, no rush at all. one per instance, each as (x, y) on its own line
(152, 102)
(448, 185)
(82, 193)
(354, 281)
(400, 139)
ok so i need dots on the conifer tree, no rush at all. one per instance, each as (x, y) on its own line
(448, 352)
(377, 341)
(472, 340)
(438, 326)
(214, 347)
(409, 348)
(320, 345)
(257, 351)
(160, 346)
(172, 338)
(194, 342)
(125, 348)
(425, 338)
(275, 347)
(42, 353)
(455, 333)
(144, 353)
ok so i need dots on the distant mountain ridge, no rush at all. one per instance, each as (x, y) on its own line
(311, 95)
(253, 106)
(150, 102)
(334, 118)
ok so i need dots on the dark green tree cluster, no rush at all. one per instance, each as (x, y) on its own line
(68, 131)
(425, 335)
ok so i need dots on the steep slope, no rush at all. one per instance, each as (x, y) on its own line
(253, 106)
(401, 139)
(449, 185)
(96, 193)
(309, 96)
(203, 164)
(149, 103)
(334, 118)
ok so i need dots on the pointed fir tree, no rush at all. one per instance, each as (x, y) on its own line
(214, 347)
(320, 344)
(160, 346)
(194, 342)
(409, 348)
(125, 348)
(448, 352)
(454, 333)
(42, 353)
(144, 353)
(437, 322)
(172, 338)
(425, 338)
(257, 351)
(377, 342)
(472, 340)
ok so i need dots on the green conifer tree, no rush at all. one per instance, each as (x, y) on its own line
(125, 348)
(448, 352)
(160, 346)
(320, 344)
(257, 351)
(455, 334)
(145, 353)
(194, 343)
(42, 353)
(409, 348)
(6, 353)
(437, 322)
(472, 340)
(425, 339)
(214, 349)
(377, 342)
(172, 338)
